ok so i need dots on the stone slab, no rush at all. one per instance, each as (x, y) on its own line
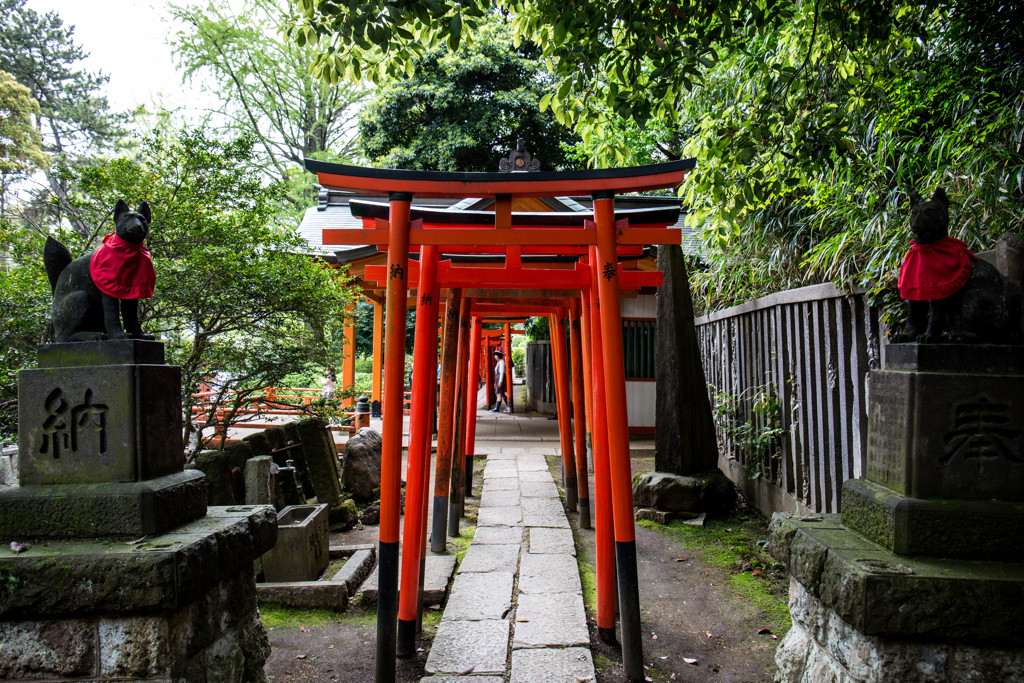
(105, 509)
(533, 466)
(438, 572)
(500, 471)
(490, 558)
(474, 596)
(356, 569)
(462, 679)
(894, 596)
(543, 506)
(82, 577)
(548, 574)
(539, 489)
(562, 665)
(493, 498)
(556, 620)
(499, 516)
(500, 535)
(259, 486)
(552, 541)
(538, 475)
(969, 529)
(558, 521)
(94, 424)
(501, 484)
(110, 352)
(331, 595)
(477, 646)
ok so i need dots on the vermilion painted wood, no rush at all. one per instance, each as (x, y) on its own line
(579, 419)
(424, 352)
(604, 532)
(487, 236)
(513, 185)
(519, 278)
(473, 377)
(560, 362)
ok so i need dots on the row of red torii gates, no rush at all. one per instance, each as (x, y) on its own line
(587, 295)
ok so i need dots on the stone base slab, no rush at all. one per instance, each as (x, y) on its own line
(882, 594)
(80, 578)
(306, 594)
(216, 636)
(970, 529)
(133, 509)
(822, 647)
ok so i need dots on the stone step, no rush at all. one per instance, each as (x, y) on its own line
(438, 573)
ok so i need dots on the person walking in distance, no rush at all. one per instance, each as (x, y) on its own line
(499, 382)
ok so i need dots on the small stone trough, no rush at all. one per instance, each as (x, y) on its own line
(301, 550)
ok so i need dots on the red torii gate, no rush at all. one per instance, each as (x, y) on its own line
(599, 285)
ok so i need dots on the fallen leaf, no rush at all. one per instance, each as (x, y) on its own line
(707, 633)
(774, 637)
(729, 530)
(664, 657)
(680, 559)
(654, 636)
(584, 679)
(648, 679)
(467, 671)
(764, 631)
(17, 547)
(136, 541)
(522, 621)
(689, 660)
(304, 629)
(300, 656)
(672, 677)
(756, 572)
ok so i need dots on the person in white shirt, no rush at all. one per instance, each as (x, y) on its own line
(499, 382)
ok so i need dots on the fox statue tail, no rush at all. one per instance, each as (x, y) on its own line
(56, 257)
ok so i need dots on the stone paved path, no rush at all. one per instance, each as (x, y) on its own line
(515, 614)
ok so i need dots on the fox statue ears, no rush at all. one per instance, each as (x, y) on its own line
(938, 196)
(143, 210)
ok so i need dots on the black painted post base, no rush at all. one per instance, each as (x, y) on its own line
(571, 494)
(584, 506)
(439, 525)
(387, 610)
(406, 638)
(468, 477)
(629, 610)
(607, 635)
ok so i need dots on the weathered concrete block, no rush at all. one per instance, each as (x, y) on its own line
(57, 648)
(114, 423)
(478, 645)
(105, 509)
(356, 569)
(321, 459)
(259, 482)
(652, 515)
(306, 594)
(948, 434)
(971, 529)
(561, 665)
(301, 550)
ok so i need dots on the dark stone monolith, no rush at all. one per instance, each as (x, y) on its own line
(685, 441)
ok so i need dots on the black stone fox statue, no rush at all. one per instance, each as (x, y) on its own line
(95, 292)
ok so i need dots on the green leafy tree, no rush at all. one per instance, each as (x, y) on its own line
(20, 142)
(464, 110)
(40, 51)
(234, 297)
(811, 122)
(266, 89)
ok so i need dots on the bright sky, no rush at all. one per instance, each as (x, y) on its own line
(128, 41)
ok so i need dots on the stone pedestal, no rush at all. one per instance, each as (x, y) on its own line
(123, 572)
(920, 578)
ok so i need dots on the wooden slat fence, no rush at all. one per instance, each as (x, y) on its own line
(787, 375)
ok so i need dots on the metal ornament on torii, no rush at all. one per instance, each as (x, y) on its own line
(595, 302)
